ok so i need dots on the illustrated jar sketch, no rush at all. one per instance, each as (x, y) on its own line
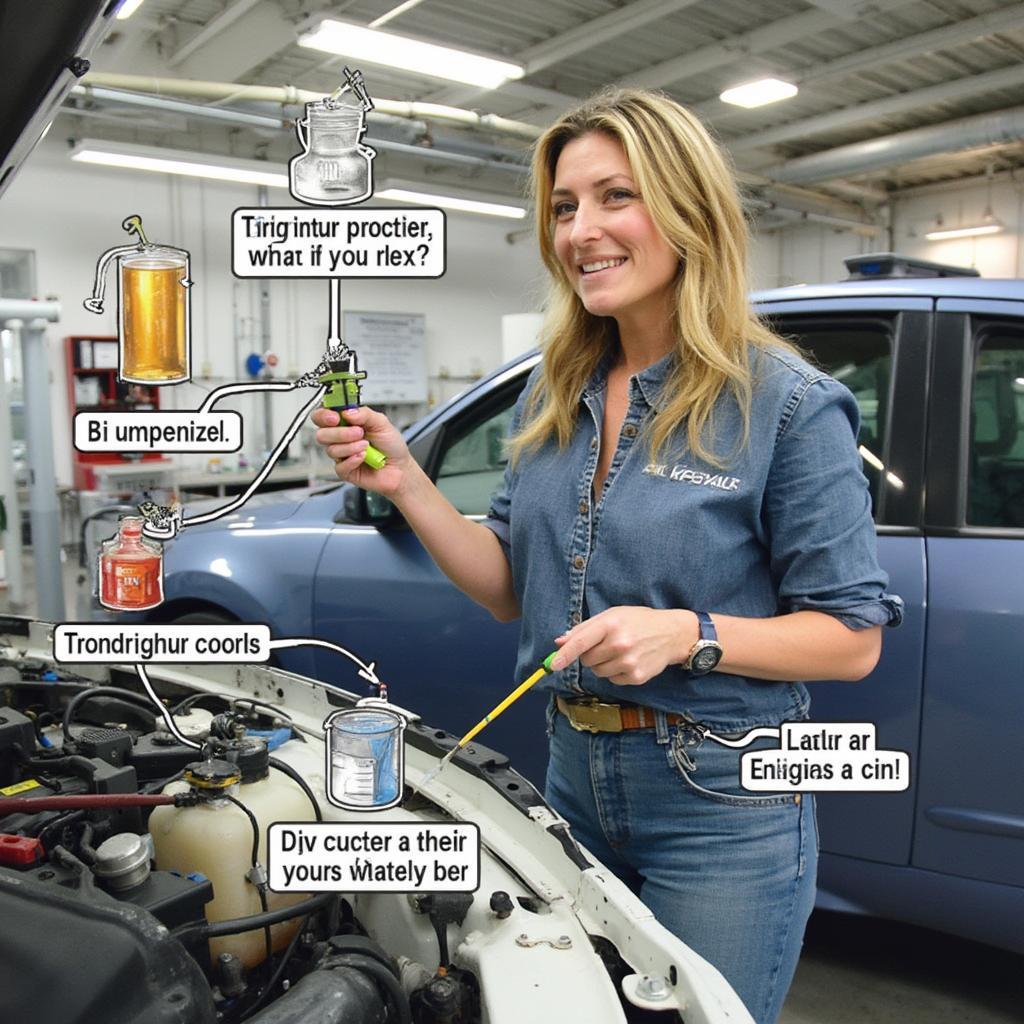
(335, 168)
(130, 569)
(153, 308)
(365, 756)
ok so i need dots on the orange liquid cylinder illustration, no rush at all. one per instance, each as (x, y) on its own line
(130, 569)
(154, 312)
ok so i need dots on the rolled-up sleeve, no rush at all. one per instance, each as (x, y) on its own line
(818, 513)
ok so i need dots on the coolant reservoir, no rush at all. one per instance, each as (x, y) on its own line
(214, 838)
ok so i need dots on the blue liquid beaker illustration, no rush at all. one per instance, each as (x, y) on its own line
(365, 757)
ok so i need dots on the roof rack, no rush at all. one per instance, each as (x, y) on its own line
(876, 265)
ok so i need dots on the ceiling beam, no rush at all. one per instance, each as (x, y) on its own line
(735, 48)
(572, 41)
(227, 17)
(600, 30)
(1004, 78)
(229, 56)
(913, 46)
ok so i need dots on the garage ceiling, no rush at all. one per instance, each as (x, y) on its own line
(935, 86)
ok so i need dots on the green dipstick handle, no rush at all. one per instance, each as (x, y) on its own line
(342, 383)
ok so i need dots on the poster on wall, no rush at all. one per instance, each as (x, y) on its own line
(392, 350)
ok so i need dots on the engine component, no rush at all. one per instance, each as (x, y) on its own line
(215, 837)
(122, 862)
(15, 729)
(113, 961)
(330, 995)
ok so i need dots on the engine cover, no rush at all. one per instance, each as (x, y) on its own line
(71, 953)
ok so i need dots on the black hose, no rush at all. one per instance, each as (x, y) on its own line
(261, 887)
(299, 781)
(101, 691)
(73, 764)
(185, 704)
(86, 851)
(271, 984)
(381, 974)
(246, 924)
(156, 787)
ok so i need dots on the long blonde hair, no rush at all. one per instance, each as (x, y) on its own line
(690, 192)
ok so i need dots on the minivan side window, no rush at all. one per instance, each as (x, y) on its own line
(472, 467)
(995, 478)
(858, 355)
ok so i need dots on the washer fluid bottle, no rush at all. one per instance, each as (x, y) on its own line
(131, 569)
(214, 838)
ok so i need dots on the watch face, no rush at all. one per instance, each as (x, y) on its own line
(706, 659)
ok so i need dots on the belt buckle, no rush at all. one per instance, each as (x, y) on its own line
(595, 716)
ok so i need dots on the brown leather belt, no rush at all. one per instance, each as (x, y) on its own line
(596, 716)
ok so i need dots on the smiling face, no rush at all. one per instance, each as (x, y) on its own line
(617, 261)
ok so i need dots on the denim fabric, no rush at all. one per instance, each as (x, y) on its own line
(731, 873)
(786, 526)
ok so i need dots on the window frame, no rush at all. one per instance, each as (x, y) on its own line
(910, 334)
(959, 337)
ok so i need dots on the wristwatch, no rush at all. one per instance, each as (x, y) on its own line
(706, 653)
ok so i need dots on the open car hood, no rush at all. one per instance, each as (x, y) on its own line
(548, 935)
(45, 46)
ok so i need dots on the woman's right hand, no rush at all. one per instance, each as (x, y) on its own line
(345, 436)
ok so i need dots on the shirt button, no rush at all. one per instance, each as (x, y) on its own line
(584, 507)
(578, 562)
(629, 430)
(576, 618)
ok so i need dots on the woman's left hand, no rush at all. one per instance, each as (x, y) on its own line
(628, 644)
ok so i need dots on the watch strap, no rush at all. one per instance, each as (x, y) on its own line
(707, 626)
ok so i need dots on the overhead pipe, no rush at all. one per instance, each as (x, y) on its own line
(403, 127)
(288, 94)
(999, 127)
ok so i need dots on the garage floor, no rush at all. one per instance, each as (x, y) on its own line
(857, 970)
(853, 970)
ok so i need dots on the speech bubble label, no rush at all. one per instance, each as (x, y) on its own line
(386, 857)
(825, 757)
(366, 243)
(158, 431)
(82, 642)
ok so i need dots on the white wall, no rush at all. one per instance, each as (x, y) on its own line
(69, 213)
(815, 253)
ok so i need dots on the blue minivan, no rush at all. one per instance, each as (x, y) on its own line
(935, 358)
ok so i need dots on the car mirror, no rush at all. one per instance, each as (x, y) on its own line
(367, 508)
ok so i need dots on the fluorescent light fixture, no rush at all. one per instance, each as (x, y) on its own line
(404, 195)
(970, 232)
(167, 161)
(367, 44)
(757, 94)
(128, 8)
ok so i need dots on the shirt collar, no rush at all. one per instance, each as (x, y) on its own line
(649, 381)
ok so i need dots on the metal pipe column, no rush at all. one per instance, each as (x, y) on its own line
(9, 491)
(43, 504)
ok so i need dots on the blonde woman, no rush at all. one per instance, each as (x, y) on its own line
(684, 515)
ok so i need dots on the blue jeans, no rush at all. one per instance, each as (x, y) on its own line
(729, 872)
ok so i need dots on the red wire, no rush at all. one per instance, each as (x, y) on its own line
(89, 801)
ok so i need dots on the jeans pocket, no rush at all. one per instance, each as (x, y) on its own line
(712, 771)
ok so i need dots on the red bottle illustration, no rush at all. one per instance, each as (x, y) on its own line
(131, 569)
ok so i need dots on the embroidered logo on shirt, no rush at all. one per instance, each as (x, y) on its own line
(682, 474)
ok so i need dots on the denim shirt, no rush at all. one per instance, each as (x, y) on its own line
(785, 526)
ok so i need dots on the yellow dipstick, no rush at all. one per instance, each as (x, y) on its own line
(544, 670)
